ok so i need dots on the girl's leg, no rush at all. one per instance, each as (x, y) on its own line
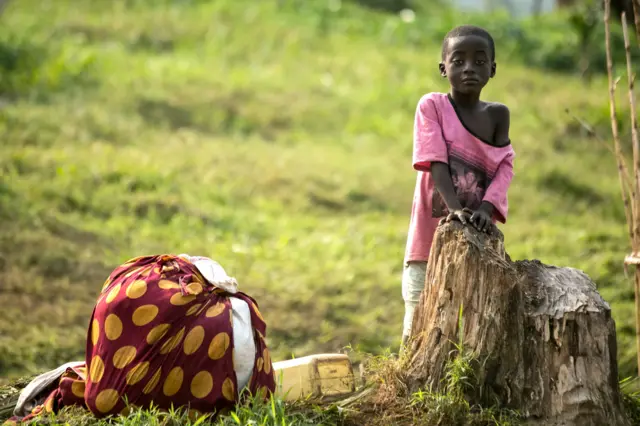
(413, 278)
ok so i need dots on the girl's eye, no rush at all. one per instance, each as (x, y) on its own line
(457, 62)
(480, 62)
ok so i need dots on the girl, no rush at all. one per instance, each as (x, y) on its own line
(462, 153)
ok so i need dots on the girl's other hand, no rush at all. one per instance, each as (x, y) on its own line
(463, 215)
(481, 220)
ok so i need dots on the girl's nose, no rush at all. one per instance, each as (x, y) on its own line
(468, 68)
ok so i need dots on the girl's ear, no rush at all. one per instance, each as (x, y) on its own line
(493, 69)
(443, 71)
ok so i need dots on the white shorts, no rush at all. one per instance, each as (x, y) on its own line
(413, 277)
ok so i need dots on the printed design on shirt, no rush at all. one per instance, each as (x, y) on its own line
(470, 183)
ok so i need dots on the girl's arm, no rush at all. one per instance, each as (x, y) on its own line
(494, 203)
(430, 154)
(444, 185)
(502, 118)
(496, 194)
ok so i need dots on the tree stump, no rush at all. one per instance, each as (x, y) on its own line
(544, 337)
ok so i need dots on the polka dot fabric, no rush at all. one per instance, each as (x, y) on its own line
(70, 391)
(160, 333)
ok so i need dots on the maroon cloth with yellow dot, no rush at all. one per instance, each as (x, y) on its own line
(161, 334)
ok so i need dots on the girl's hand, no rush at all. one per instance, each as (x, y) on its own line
(463, 215)
(481, 220)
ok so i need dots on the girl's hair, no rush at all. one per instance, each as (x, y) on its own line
(467, 30)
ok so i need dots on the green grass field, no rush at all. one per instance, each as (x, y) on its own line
(275, 137)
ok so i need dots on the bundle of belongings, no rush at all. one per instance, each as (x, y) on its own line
(172, 331)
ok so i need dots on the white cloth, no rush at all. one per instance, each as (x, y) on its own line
(38, 385)
(413, 277)
(213, 272)
(243, 342)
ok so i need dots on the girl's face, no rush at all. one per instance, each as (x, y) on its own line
(468, 64)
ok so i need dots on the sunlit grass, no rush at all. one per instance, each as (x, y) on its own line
(274, 137)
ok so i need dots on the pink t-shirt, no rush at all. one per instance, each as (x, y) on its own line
(479, 170)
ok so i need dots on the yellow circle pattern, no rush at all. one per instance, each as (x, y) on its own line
(228, 389)
(172, 342)
(153, 382)
(95, 331)
(106, 400)
(96, 370)
(124, 356)
(192, 310)
(173, 382)
(113, 293)
(178, 299)
(202, 384)
(48, 405)
(219, 346)
(201, 310)
(136, 289)
(167, 285)
(77, 388)
(136, 270)
(157, 333)
(113, 327)
(215, 310)
(127, 410)
(106, 284)
(193, 340)
(137, 373)
(194, 288)
(264, 391)
(257, 311)
(144, 314)
(267, 360)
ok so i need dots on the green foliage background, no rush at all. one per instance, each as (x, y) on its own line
(275, 137)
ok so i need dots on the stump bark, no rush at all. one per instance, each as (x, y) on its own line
(544, 338)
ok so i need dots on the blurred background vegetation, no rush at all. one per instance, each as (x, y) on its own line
(275, 137)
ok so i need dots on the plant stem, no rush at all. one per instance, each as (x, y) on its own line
(636, 169)
(614, 125)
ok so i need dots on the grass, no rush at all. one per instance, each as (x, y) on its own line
(274, 412)
(253, 412)
(631, 398)
(274, 137)
(383, 401)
